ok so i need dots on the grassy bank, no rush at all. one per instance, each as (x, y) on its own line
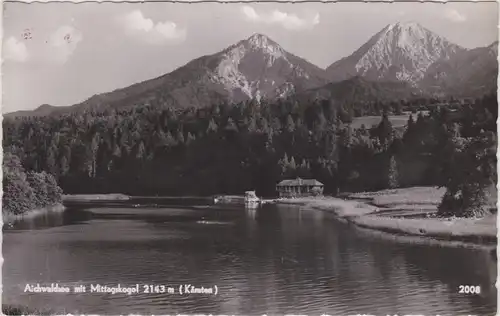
(9, 217)
(415, 197)
(95, 197)
(378, 210)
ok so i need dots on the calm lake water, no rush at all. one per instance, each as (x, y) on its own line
(274, 260)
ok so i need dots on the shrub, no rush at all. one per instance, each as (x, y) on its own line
(316, 191)
(54, 192)
(17, 194)
(23, 192)
(39, 186)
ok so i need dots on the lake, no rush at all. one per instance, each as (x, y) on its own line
(274, 260)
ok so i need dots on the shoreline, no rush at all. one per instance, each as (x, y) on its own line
(95, 197)
(400, 212)
(8, 217)
(365, 215)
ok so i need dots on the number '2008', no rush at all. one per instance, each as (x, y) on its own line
(469, 289)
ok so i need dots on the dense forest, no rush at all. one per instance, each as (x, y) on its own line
(26, 191)
(227, 149)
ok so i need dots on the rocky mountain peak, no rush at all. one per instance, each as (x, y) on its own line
(258, 40)
(262, 43)
(401, 51)
(258, 67)
(408, 25)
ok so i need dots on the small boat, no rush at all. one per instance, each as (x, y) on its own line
(251, 200)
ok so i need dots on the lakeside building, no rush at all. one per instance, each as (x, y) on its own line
(299, 187)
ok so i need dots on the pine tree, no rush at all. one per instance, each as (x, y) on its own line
(63, 166)
(290, 124)
(231, 126)
(284, 164)
(94, 147)
(180, 138)
(190, 138)
(392, 174)
(411, 137)
(276, 125)
(170, 140)
(212, 126)
(252, 125)
(292, 164)
(160, 138)
(140, 151)
(385, 131)
(51, 160)
(269, 141)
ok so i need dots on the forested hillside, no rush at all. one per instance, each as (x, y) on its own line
(229, 149)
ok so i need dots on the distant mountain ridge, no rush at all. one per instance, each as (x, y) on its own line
(472, 72)
(253, 68)
(257, 67)
(42, 110)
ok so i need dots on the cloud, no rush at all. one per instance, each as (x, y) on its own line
(62, 43)
(137, 25)
(455, 16)
(286, 20)
(15, 50)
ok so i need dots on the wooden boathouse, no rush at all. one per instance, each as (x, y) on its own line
(299, 187)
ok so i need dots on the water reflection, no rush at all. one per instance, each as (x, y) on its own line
(251, 213)
(50, 219)
(445, 264)
(273, 260)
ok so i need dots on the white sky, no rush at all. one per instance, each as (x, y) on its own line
(77, 50)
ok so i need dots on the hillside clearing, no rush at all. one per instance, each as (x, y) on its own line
(397, 121)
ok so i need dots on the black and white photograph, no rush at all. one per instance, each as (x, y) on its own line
(319, 159)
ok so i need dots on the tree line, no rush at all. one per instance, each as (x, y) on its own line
(227, 149)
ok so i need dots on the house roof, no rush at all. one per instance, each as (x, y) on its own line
(300, 182)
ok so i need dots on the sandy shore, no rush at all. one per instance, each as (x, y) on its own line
(10, 217)
(375, 213)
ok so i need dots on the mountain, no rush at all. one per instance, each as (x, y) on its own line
(253, 68)
(399, 52)
(472, 72)
(258, 67)
(42, 110)
(420, 61)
